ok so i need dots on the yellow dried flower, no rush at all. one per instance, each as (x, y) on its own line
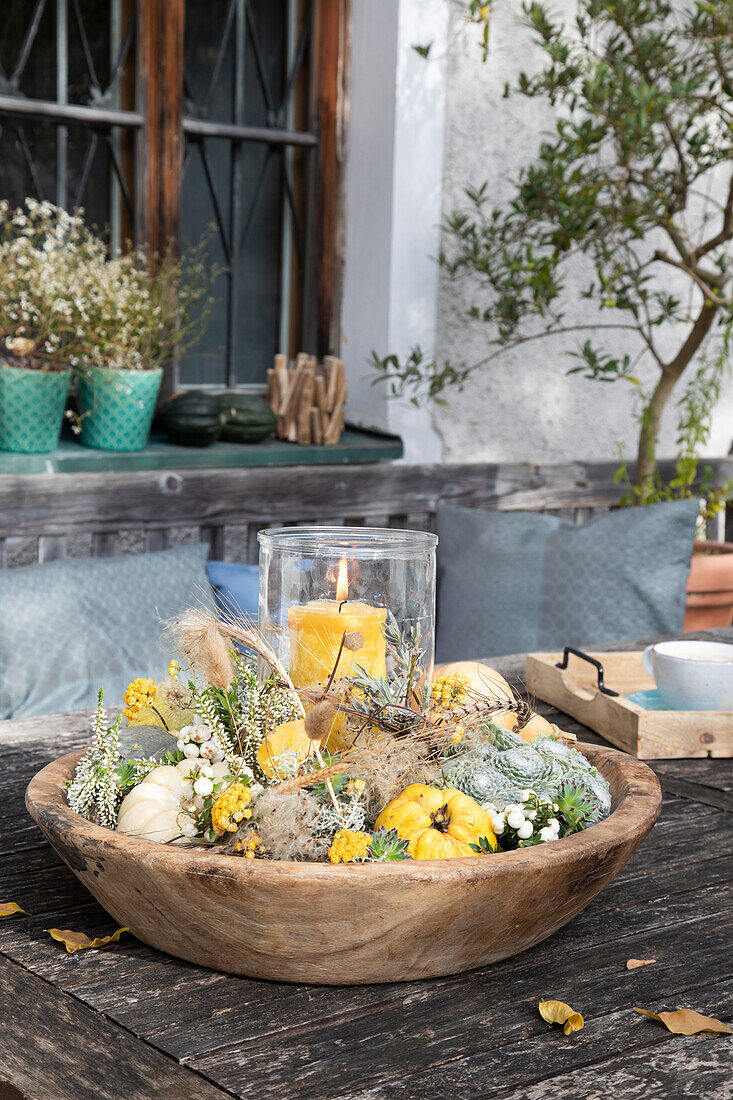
(173, 669)
(231, 808)
(349, 845)
(450, 691)
(457, 735)
(254, 847)
(138, 695)
(354, 787)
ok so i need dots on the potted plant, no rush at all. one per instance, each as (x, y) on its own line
(41, 248)
(139, 312)
(637, 179)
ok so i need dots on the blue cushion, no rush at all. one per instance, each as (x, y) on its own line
(236, 587)
(69, 626)
(514, 582)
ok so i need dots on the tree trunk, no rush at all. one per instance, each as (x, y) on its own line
(646, 461)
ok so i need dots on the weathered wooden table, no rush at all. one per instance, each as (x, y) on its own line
(129, 1022)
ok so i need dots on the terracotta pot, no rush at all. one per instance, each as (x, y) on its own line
(710, 586)
(347, 924)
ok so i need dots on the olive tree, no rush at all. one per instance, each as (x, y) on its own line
(637, 177)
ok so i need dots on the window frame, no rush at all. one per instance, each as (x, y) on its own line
(160, 151)
(157, 121)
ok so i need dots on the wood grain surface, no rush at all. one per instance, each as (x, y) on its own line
(465, 1037)
(646, 734)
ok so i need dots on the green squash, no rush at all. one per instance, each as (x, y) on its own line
(191, 419)
(247, 418)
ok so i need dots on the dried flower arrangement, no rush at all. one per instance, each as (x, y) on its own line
(64, 301)
(357, 769)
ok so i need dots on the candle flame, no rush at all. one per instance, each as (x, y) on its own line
(342, 584)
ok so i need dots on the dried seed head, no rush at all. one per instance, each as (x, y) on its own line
(353, 641)
(319, 719)
(197, 636)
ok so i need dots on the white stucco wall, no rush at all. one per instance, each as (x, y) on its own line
(393, 195)
(523, 407)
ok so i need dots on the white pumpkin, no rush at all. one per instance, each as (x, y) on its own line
(153, 810)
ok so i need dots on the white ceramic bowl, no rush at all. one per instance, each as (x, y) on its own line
(692, 675)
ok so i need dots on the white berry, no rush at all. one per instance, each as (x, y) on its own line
(554, 824)
(526, 795)
(497, 824)
(207, 771)
(200, 733)
(180, 744)
(203, 786)
(530, 814)
(191, 751)
(188, 828)
(515, 819)
(524, 832)
(547, 834)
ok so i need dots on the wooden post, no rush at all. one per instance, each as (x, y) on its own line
(160, 88)
(330, 68)
(160, 140)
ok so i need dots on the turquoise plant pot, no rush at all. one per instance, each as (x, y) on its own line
(32, 404)
(116, 407)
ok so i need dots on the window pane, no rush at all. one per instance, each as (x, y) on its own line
(239, 185)
(66, 53)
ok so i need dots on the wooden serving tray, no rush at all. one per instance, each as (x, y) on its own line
(645, 734)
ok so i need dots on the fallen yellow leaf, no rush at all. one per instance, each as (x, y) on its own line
(557, 1012)
(685, 1021)
(632, 964)
(77, 941)
(7, 908)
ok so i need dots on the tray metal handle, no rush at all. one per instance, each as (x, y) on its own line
(591, 661)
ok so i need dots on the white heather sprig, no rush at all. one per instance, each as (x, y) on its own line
(261, 708)
(93, 791)
(206, 709)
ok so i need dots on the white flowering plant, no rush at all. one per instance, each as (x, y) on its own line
(137, 311)
(43, 252)
(65, 301)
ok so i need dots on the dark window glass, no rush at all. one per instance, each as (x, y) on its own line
(240, 186)
(65, 51)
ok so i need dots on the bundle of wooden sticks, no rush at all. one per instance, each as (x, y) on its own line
(308, 399)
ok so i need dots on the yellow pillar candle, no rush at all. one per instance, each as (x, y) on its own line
(316, 630)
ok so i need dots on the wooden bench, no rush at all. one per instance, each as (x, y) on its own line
(46, 516)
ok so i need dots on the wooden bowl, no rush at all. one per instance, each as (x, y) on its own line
(353, 923)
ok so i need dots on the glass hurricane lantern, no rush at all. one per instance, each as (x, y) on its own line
(319, 583)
